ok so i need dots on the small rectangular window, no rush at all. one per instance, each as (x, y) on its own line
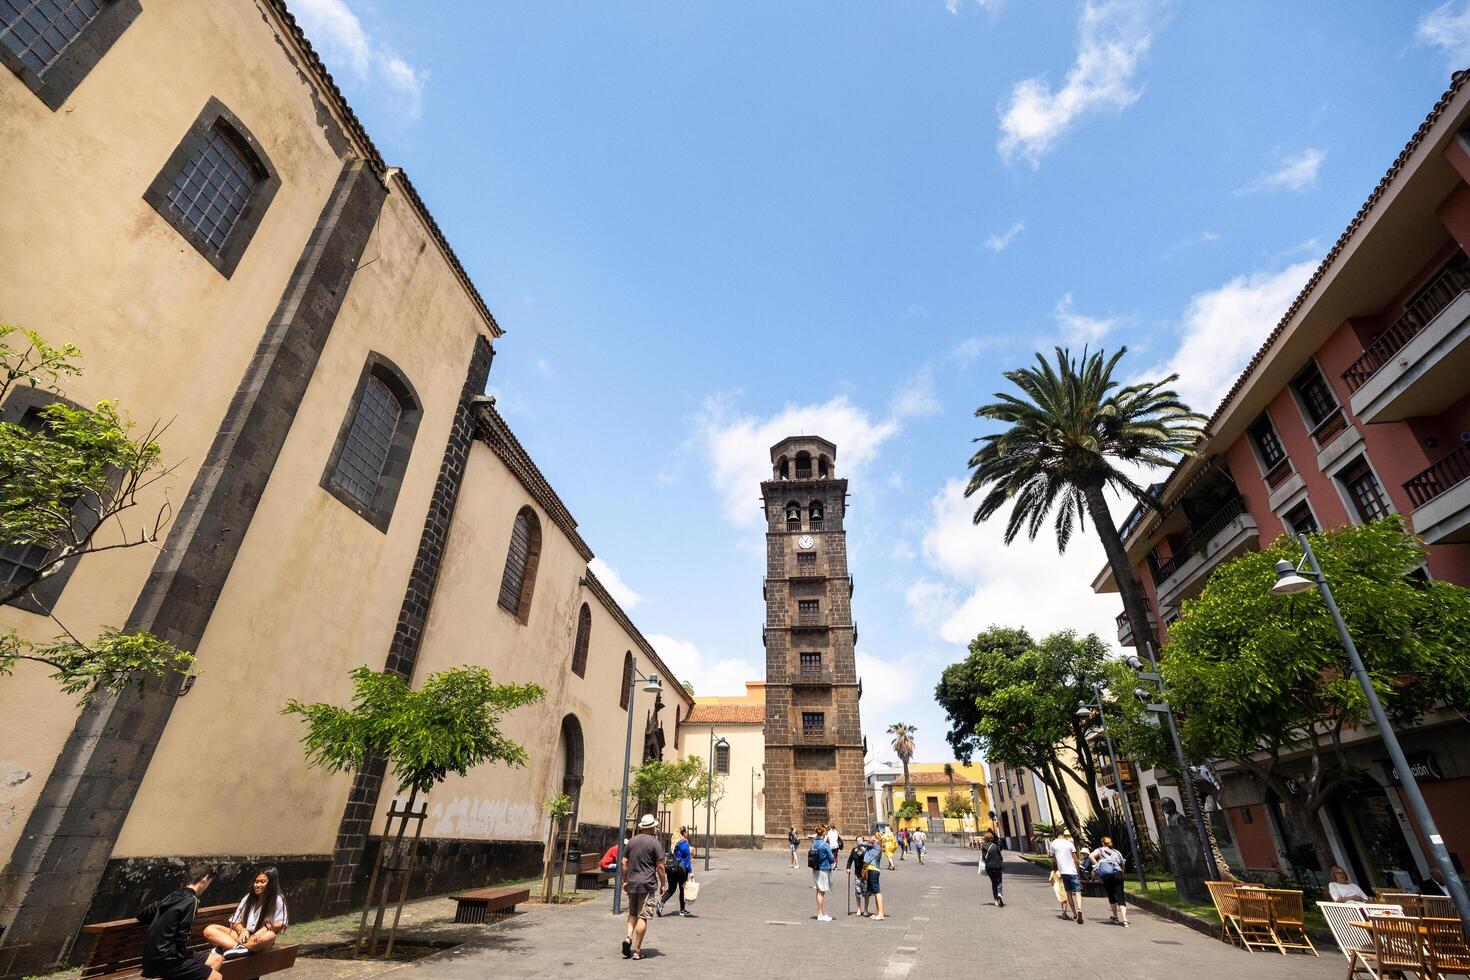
(1364, 491)
(722, 759)
(360, 466)
(1299, 519)
(811, 665)
(1263, 434)
(815, 805)
(210, 192)
(813, 722)
(1316, 398)
(806, 611)
(806, 559)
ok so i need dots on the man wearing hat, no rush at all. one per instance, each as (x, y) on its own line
(643, 878)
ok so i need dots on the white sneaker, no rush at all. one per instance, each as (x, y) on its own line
(824, 918)
(231, 954)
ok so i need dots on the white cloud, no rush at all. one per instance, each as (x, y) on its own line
(1297, 172)
(888, 683)
(339, 37)
(544, 366)
(1223, 327)
(916, 397)
(1112, 39)
(986, 582)
(1447, 27)
(953, 6)
(619, 589)
(738, 447)
(711, 676)
(999, 243)
(970, 348)
(1203, 238)
(1077, 328)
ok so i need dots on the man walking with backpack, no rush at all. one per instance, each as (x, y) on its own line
(820, 859)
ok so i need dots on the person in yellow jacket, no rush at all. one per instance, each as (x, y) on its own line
(890, 844)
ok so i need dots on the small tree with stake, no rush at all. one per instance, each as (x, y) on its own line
(449, 725)
(558, 810)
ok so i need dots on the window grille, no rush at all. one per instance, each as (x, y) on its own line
(811, 665)
(1316, 397)
(806, 611)
(38, 31)
(365, 453)
(1267, 443)
(1362, 486)
(815, 805)
(212, 189)
(813, 722)
(722, 759)
(584, 637)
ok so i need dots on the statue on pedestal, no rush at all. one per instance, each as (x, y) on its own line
(1186, 854)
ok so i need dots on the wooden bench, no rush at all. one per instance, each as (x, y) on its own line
(475, 905)
(588, 870)
(117, 949)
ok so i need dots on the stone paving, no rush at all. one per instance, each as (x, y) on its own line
(755, 918)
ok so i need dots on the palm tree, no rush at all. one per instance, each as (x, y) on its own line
(949, 774)
(903, 744)
(1064, 439)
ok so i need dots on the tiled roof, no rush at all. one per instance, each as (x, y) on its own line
(935, 779)
(726, 714)
(375, 159)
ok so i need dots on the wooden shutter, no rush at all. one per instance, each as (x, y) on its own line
(515, 565)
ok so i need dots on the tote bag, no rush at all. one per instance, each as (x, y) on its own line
(691, 891)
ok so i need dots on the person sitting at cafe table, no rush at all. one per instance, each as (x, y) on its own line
(1343, 890)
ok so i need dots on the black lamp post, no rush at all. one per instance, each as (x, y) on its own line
(651, 685)
(1084, 710)
(1292, 579)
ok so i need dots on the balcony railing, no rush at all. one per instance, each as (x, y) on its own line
(812, 677)
(1440, 477)
(1440, 292)
(1217, 522)
(1125, 770)
(809, 619)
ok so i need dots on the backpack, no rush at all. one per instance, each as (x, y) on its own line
(814, 858)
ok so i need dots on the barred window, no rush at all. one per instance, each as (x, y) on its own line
(584, 636)
(811, 664)
(806, 611)
(815, 805)
(521, 559)
(38, 31)
(360, 466)
(1362, 486)
(722, 759)
(21, 562)
(813, 722)
(806, 560)
(212, 190)
(1315, 396)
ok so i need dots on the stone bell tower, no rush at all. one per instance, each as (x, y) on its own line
(814, 740)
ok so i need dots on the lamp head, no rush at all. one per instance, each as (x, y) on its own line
(1289, 581)
(1133, 662)
(1083, 711)
(721, 743)
(652, 685)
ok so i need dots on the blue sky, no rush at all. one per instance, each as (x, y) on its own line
(708, 225)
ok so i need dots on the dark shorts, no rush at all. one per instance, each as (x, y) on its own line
(1073, 883)
(194, 968)
(873, 888)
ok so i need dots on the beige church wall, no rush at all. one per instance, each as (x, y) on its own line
(316, 589)
(161, 330)
(468, 626)
(731, 817)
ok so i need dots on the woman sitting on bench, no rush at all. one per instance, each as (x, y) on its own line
(257, 920)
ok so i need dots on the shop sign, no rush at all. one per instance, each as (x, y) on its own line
(1423, 765)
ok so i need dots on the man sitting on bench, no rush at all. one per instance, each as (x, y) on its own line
(170, 922)
(609, 860)
(257, 920)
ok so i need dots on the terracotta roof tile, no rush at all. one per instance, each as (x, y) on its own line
(726, 714)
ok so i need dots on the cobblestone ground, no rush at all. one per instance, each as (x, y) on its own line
(755, 918)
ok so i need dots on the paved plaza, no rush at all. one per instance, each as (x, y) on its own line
(755, 918)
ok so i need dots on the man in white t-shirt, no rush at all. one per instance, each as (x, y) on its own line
(834, 839)
(1064, 861)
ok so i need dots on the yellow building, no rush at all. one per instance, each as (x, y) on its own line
(189, 198)
(931, 788)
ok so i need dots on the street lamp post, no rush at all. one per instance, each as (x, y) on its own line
(1186, 782)
(651, 685)
(1291, 580)
(1084, 709)
(753, 777)
(709, 797)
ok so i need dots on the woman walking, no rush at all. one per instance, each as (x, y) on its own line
(678, 873)
(792, 841)
(1109, 870)
(992, 860)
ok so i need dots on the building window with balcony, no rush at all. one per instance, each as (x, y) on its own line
(813, 722)
(722, 759)
(51, 45)
(1363, 490)
(1263, 437)
(1324, 417)
(811, 665)
(807, 611)
(1299, 520)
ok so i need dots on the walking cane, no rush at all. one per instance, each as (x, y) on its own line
(849, 891)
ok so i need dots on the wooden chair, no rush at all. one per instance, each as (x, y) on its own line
(1222, 893)
(1253, 921)
(1444, 940)
(1397, 946)
(1355, 942)
(1436, 907)
(1410, 902)
(1289, 919)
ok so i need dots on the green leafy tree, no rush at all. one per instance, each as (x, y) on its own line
(903, 745)
(65, 475)
(451, 724)
(1065, 436)
(957, 804)
(1258, 678)
(1017, 700)
(909, 810)
(558, 810)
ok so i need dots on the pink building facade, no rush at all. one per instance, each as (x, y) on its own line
(1357, 405)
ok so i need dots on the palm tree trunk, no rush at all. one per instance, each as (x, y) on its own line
(1133, 603)
(908, 791)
